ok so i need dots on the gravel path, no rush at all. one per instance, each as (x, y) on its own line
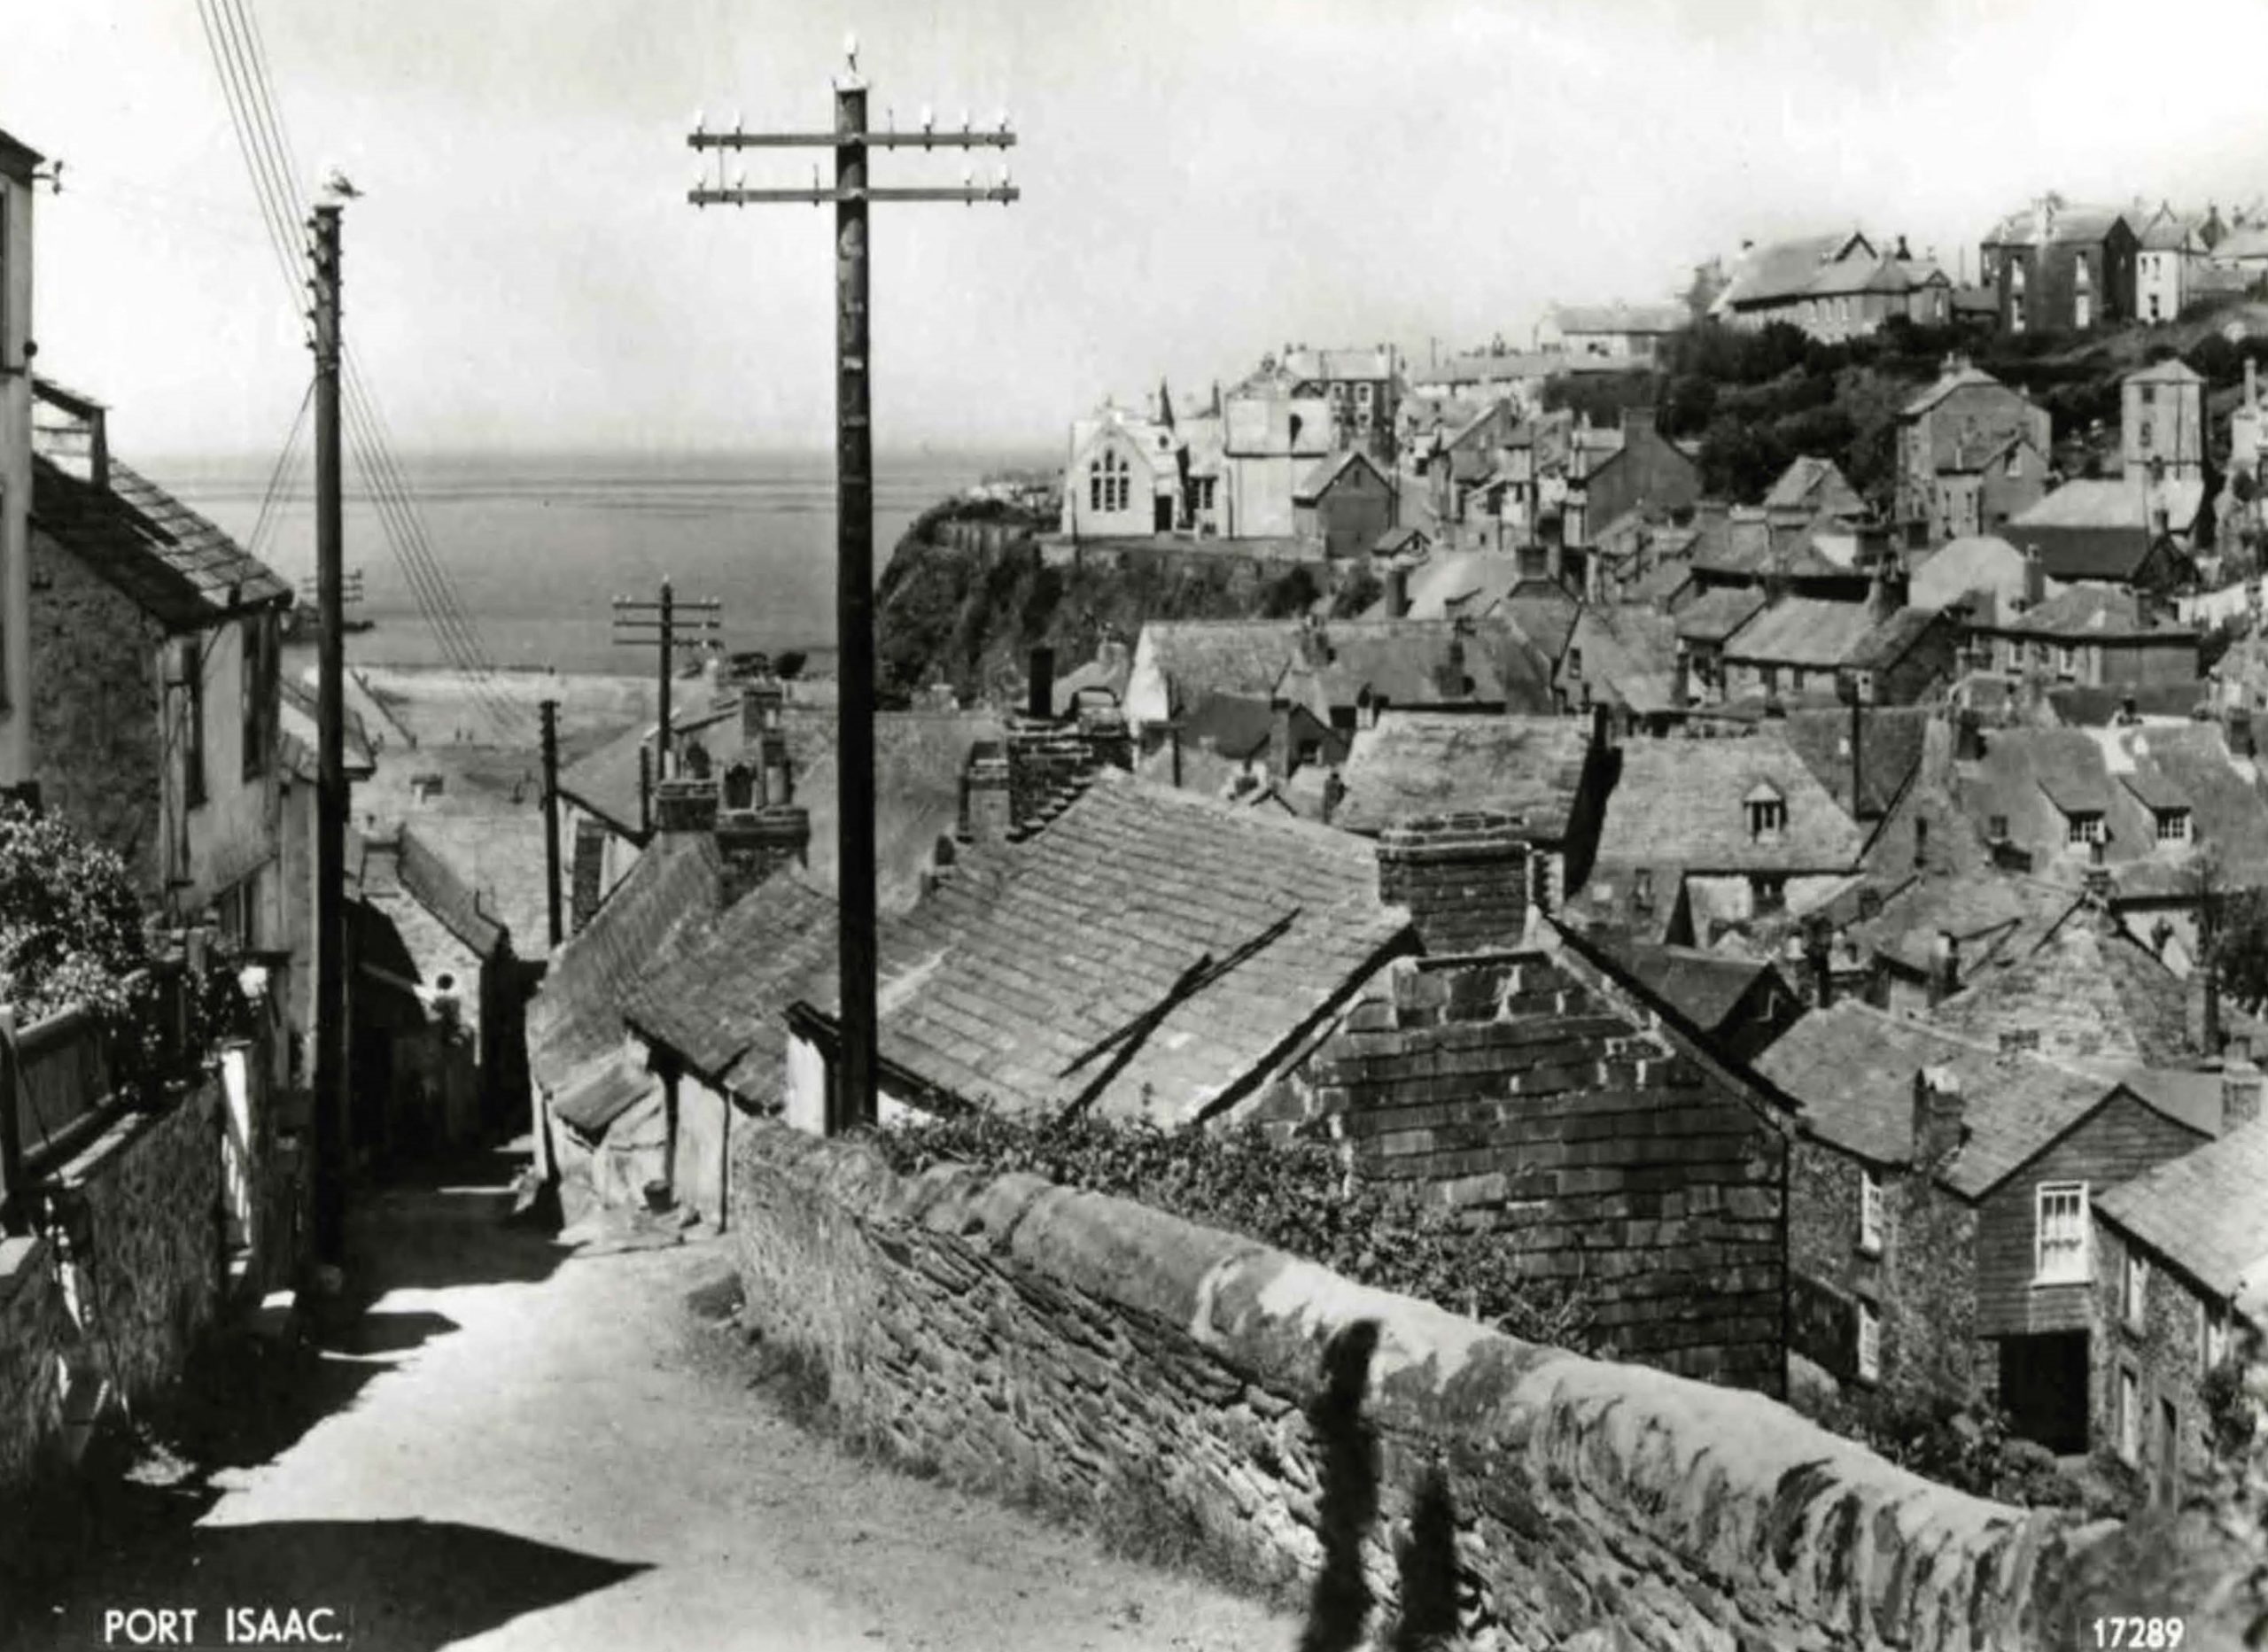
(524, 1447)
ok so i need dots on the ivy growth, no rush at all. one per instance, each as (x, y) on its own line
(1298, 1197)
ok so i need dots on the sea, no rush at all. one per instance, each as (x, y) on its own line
(536, 549)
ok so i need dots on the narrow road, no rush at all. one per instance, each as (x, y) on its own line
(521, 1446)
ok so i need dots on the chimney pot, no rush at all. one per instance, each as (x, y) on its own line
(2241, 1084)
(1940, 1115)
(1040, 697)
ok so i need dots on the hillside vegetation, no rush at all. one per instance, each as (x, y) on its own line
(970, 617)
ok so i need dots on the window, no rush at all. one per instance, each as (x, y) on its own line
(1109, 487)
(1996, 828)
(2067, 660)
(236, 912)
(2149, 394)
(189, 666)
(1869, 1213)
(1575, 662)
(2212, 1339)
(2144, 434)
(2130, 1416)
(1768, 816)
(1768, 890)
(1642, 888)
(2082, 827)
(2134, 1290)
(2061, 1233)
(1869, 1343)
(260, 694)
(2173, 825)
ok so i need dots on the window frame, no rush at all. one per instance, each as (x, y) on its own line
(1867, 1361)
(2130, 1415)
(2174, 825)
(2081, 1251)
(191, 657)
(1767, 818)
(2083, 828)
(2134, 1290)
(1871, 1213)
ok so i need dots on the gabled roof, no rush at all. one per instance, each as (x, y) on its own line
(576, 1015)
(2072, 224)
(1150, 953)
(1960, 568)
(1853, 1068)
(2203, 1212)
(1628, 656)
(1890, 747)
(2172, 370)
(1812, 484)
(1704, 987)
(2096, 612)
(1325, 475)
(1806, 631)
(1374, 363)
(1413, 664)
(1716, 615)
(2096, 1000)
(2115, 502)
(1780, 271)
(1621, 318)
(1419, 764)
(177, 567)
(717, 999)
(1992, 918)
(1964, 376)
(1681, 802)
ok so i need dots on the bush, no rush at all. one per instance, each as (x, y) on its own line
(71, 926)
(1297, 1197)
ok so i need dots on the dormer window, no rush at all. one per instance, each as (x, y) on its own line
(1996, 828)
(2082, 827)
(1768, 814)
(2173, 825)
(1575, 662)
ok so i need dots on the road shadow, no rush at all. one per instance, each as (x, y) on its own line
(445, 1223)
(399, 1586)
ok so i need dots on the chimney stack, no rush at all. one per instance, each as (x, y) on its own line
(1945, 967)
(2240, 730)
(685, 805)
(2240, 1094)
(1939, 1113)
(1039, 702)
(1462, 877)
(1681, 680)
(2035, 579)
(1397, 592)
(1280, 761)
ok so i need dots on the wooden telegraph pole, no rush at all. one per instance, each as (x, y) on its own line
(853, 1101)
(329, 1216)
(662, 624)
(550, 710)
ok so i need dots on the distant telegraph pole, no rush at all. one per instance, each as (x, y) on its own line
(853, 1102)
(662, 624)
(330, 1223)
(550, 712)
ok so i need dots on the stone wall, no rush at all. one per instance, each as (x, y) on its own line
(1545, 1111)
(1017, 1335)
(139, 1213)
(96, 736)
(36, 1332)
(1921, 1285)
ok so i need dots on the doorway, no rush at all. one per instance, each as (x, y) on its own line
(2044, 1388)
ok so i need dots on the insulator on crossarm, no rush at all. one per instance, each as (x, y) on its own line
(740, 177)
(700, 121)
(1004, 120)
(928, 120)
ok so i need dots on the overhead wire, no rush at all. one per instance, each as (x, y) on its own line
(239, 59)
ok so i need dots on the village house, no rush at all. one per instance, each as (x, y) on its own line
(1983, 574)
(1739, 826)
(154, 647)
(1771, 282)
(1624, 656)
(2171, 248)
(1233, 746)
(1550, 774)
(1740, 1004)
(1920, 933)
(2123, 531)
(1619, 333)
(17, 165)
(1497, 374)
(1939, 1213)
(1204, 962)
(1462, 457)
(1362, 388)
(1345, 505)
(1345, 672)
(607, 797)
(2181, 1271)
(1272, 437)
(1828, 557)
(1972, 453)
(2242, 253)
(1812, 488)
(2057, 267)
(1632, 468)
(2089, 635)
(2144, 810)
(1853, 298)
(1888, 654)
(2161, 426)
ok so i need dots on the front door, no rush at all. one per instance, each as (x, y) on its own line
(2044, 1389)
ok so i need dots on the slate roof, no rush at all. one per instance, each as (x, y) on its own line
(576, 1015)
(1416, 764)
(2100, 613)
(436, 886)
(2095, 529)
(1961, 377)
(1320, 479)
(2072, 224)
(1812, 483)
(1975, 562)
(1008, 982)
(1890, 747)
(1716, 615)
(1451, 583)
(1992, 918)
(1682, 803)
(17, 157)
(1412, 662)
(1628, 654)
(1780, 270)
(2097, 1001)
(1235, 656)
(1853, 1065)
(1803, 632)
(1704, 987)
(2034, 777)
(180, 568)
(2203, 1212)
(1621, 318)
(499, 855)
(2172, 370)
(918, 757)
(1545, 613)
(719, 1001)
(299, 727)
(601, 1093)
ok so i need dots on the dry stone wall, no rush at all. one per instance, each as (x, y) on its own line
(35, 1331)
(1016, 1334)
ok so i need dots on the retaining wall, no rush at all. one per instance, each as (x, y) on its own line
(1016, 1334)
(35, 1331)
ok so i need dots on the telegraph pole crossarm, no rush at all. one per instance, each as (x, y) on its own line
(663, 624)
(853, 1101)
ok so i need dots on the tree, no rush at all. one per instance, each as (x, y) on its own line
(790, 664)
(71, 926)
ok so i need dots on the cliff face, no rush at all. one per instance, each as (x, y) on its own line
(968, 593)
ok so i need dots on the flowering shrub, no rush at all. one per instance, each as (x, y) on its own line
(1298, 1197)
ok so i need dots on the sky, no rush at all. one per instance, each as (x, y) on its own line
(1203, 180)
